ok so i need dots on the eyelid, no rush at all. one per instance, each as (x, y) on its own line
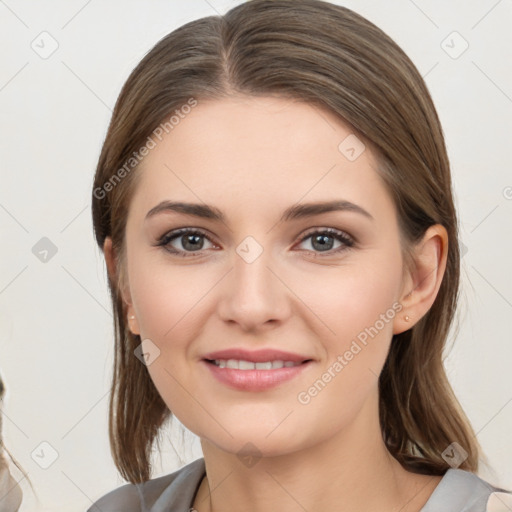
(347, 241)
(173, 234)
(322, 229)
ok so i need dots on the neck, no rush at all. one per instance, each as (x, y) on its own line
(351, 470)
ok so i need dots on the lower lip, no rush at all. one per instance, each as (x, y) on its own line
(255, 380)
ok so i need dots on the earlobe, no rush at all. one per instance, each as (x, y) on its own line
(112, 269)
(132, 322)
(430, 255)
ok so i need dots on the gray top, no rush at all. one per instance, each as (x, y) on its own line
(457, 491)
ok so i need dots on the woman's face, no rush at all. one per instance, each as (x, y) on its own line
(260, 281)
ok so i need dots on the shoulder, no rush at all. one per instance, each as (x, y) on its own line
(169, 492)
(461, 490)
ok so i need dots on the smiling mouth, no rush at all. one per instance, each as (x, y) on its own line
(241, 364)
(265, 373)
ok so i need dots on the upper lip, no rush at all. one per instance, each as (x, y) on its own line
(256, 356)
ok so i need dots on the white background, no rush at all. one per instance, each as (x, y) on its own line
(56, 341)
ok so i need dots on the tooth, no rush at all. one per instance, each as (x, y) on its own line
(249, 365)
(246, 365)
(267, 365)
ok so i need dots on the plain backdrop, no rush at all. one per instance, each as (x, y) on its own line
(62, 66)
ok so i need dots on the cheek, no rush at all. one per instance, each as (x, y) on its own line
(357, 306)
(353, 300)
(358, 309)
(167, 303)
(165, 295)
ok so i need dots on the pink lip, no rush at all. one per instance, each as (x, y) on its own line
(255, 380)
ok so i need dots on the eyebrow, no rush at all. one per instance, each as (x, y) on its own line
(205, 211)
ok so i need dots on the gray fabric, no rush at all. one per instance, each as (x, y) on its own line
(169, 493)
(458, 491)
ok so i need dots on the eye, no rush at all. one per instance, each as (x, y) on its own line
(186, 240)
(323, 240)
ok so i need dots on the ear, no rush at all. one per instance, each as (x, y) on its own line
(113, 270)
(422, 283)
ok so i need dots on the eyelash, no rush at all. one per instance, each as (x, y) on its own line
(165, 240)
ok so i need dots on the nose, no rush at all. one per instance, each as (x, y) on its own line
(254, 295)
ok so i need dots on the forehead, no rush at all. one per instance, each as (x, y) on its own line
(253, 151)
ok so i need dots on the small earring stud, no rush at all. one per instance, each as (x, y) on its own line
(132, 317)
(406, 318)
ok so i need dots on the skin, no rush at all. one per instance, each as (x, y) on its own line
(252, 158)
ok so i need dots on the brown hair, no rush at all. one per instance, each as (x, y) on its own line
(329, 56)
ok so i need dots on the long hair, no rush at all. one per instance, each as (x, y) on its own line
(328, 56)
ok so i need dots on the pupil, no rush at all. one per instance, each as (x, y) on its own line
(323, 244)
(191, 242)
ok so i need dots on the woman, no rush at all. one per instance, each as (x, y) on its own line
(11, 494)
(274, 202)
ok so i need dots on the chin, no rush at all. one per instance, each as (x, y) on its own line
(248, 448)
(254, 442)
